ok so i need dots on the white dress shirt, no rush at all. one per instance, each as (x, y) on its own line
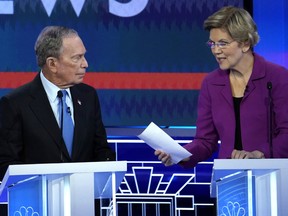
(52, 91)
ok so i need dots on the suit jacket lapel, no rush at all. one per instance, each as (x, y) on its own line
(222, 81)
(79, 120)
(41, 108)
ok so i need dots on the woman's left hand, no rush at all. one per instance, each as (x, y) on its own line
(241, 154)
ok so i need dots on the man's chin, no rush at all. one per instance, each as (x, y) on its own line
(78, 81)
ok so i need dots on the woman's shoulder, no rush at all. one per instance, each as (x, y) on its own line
(269, 65)
(216, 75)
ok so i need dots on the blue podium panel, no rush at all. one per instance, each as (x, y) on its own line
(34, 192)
(236, 194)
(250, 187)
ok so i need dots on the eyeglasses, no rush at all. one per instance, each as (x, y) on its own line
(220, 44)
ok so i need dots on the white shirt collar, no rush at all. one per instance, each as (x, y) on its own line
(51, 89)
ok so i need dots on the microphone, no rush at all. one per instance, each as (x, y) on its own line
(69, 110)
(269, 87)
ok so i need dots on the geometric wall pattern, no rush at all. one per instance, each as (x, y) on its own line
(149, 188)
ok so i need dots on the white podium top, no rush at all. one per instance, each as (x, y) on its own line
(244, 164)
(18, 173)
(225, 167)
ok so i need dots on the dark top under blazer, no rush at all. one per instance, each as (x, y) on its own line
(29, 132)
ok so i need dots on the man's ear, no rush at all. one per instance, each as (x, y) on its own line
(51, 63)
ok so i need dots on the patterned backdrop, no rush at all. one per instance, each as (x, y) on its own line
(146, 58)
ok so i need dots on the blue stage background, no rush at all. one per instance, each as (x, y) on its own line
(160, 37)
(164, 38)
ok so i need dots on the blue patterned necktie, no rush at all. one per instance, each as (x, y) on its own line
(66, 123)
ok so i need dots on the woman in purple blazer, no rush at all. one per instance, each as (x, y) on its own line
(244, 103)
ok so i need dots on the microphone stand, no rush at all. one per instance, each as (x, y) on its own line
(269, 87)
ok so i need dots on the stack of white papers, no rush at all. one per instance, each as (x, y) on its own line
(157, 139)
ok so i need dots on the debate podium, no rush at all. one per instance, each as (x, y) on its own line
(61, 189)
(250, 186)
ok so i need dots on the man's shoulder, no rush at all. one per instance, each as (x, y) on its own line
(83, 90)
(33, 86)
(83, 87)
(20, 91)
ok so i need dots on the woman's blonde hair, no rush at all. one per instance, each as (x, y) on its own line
(237, 22)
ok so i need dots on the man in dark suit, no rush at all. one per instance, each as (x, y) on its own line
(30, 129)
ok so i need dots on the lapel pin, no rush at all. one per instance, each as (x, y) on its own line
(79, 102)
